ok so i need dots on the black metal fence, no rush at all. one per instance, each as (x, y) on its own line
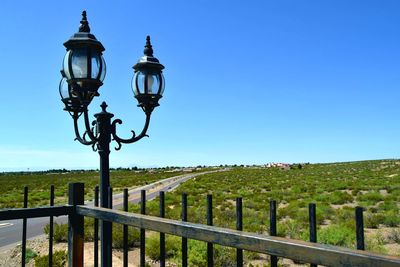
(310, 252)
(24, 213)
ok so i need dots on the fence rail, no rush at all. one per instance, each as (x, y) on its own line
(25, 213)
(299, 251)
(281, 247)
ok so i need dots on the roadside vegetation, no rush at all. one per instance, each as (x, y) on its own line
(12, 184)
(335, 188)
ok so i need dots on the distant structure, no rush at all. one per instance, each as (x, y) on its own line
(282, 166)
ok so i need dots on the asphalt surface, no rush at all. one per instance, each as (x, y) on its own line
(11, 230)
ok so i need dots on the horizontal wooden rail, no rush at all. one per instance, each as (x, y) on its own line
(281, 247)
(12, 214)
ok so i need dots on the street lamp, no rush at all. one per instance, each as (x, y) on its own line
(83, 72)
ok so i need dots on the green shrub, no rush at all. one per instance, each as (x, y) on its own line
(60, 232)
(340, 198)
(376, 243)
(172, 246)
(370, 197)
(29, 254)
(392, 219)
(223, 256)
(373, 220)
(291, 229)
(394, 236)
(324, 212)
(59, 259)
(344, 215)
(388, 205)
(294, 210)
(153, 247)
(337, 235)
(118, 236)
(197, 253)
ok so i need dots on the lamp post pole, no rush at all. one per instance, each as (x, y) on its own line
(103, 122)
(83, 73)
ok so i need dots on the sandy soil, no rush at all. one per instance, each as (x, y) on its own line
(12, 257)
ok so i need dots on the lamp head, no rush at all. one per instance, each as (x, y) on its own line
(148, 82)
(83, 69)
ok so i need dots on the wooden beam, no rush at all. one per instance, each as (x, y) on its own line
(281, 247)
(13, 214)
(76, 194)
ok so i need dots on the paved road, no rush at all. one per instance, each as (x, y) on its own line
(11, 231)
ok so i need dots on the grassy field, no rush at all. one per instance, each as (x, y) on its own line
(335, 188)
(12, 184)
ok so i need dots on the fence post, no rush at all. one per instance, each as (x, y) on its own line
(96, 229)
(272, 228)
(162, 235)
(312, 218)
(142, 231)
(239, 227)
(360, 228)
(51, 226)
(210, 246)
(125, 229)
(75, 226)
(24, 221)
(184, 240)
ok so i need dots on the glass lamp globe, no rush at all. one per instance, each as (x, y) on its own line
(148, 82)
(83, 67)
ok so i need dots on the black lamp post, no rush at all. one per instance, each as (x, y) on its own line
(83, 73)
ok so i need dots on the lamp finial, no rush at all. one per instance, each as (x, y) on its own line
(104, 106)
(84, 27)
(148, 48)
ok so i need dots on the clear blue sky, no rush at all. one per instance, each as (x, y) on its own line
(247, 82)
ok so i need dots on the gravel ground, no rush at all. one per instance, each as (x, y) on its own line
(12, 256)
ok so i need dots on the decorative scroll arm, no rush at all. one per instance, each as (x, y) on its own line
(81, 139)
(134, 138)
(89, 130)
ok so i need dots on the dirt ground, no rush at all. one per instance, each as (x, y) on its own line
(11, 257)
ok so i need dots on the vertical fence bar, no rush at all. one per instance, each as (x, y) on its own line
(76, 195)
(51, 228)
(110, 206)
(162, 235)
(360, 228)
(239, 226)
(110, 198)
(210, 246)
(142, 231)
(184, 239)
(23, 254)
(125, 229)
(96, 229)
(272, 228)
(312, 218)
